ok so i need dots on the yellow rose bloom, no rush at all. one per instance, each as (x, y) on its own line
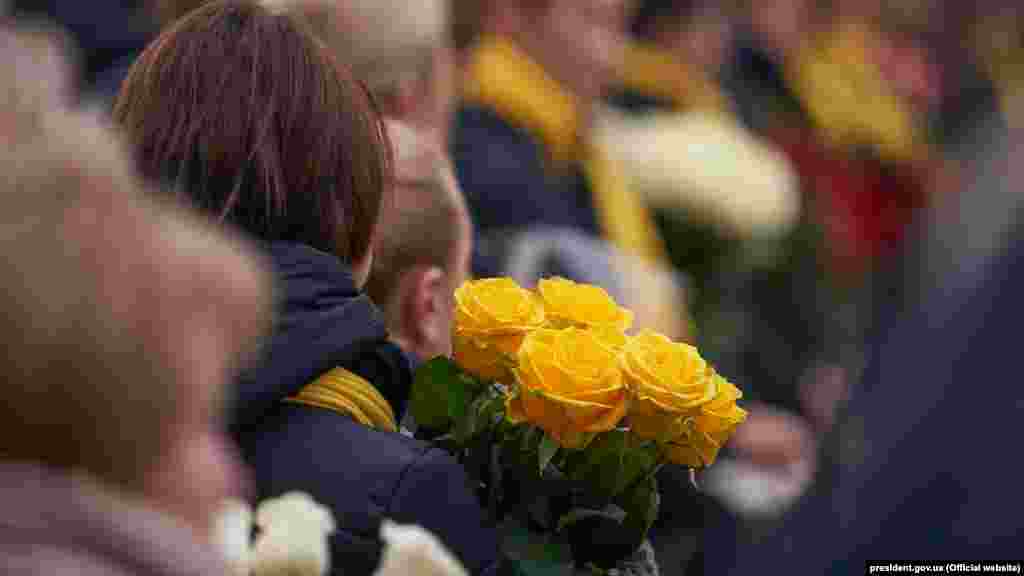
(492, 316)
(569, 385)
(567, 303)
(705, 434)
(669, 382)
(611, 337)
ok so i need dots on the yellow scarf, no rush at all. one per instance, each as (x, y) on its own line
(656, 72)
(346, 393)
(848, 98)
(502, 77)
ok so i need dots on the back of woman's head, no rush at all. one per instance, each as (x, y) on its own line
(241, 109)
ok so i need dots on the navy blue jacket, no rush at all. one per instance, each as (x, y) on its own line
(361, 474)
(502, 171)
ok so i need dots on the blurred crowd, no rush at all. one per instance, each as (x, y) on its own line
(231, 230)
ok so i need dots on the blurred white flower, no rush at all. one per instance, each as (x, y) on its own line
(707, 166)
(293, 537)
(292, 540)
(412, 551)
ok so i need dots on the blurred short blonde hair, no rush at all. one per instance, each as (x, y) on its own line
(420, 227)
(92, 382)
(385, 42)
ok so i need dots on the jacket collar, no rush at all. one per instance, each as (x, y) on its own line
(322, 322)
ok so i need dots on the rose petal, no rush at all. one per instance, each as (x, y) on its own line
(591, 416)
(569, 303)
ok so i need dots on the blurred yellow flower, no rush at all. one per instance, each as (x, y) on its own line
(705, 434)
(567, 303)
(569, 384)
(669, 382)
(492, 316)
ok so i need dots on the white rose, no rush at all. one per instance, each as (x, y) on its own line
(412, 551)
(293, 537)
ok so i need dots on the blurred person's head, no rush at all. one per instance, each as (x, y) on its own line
(782, 27)
(401, 50)
(698, 30)
(124, 319)
(578, 42)
(424, 249)
(40, 56)
(249, 116)
(902, 52)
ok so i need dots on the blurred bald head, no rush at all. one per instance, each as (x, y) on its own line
(123, 318)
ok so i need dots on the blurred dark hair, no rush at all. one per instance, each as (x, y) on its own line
(251, 118)
(423, 224)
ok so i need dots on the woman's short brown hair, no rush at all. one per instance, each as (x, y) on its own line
(241, 109)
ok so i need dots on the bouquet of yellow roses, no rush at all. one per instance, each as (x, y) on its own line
(563, 418)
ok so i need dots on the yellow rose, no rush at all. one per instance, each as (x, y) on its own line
(611, 337)
(706, 433)
(582, 305)
(569, 385)
(492, 316)
(669, 382)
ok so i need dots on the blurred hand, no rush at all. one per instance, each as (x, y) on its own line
(821, 394)
(773, 438)
(773, 465)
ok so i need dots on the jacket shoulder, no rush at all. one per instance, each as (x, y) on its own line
(364, 476)
(436, 493)
(481, 138)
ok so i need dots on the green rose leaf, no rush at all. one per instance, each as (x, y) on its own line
(546, 451)
(458, 400)
(641, 502)
(438, 396)
(642, 458)
(600, 464)
(613, 462)
(474, 420)
(530, 438)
